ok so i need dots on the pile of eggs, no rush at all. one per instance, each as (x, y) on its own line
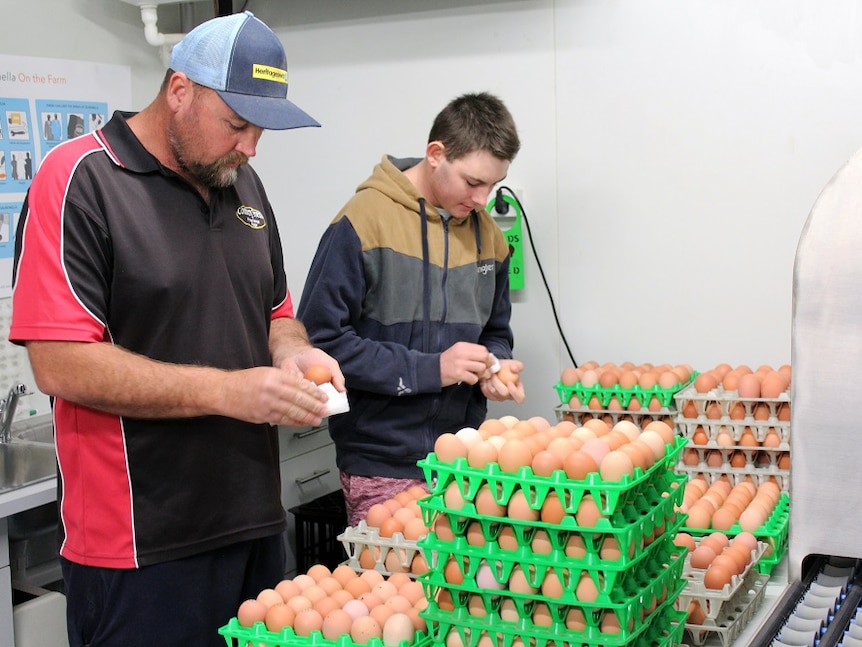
(341, 602)
(720, 505)
(720, 557)
(399, 517)
(613, 452)
(765, 382)
(399, 514)
(625, 376)
(733, 452)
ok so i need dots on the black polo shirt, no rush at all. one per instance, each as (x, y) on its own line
(114, 247)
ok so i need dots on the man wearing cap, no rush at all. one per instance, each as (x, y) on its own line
(150, 293)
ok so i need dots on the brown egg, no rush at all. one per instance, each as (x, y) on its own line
(519, 508)
(269, 597)
(701, 557)
(552, 587)
(705, 382)
(376, 515)
(481, 455)
(306, 622)
(637, 457)
(486, 503)
(279, 616)
(545, 463)
(357, 586)
(325, 605)
(415, 529)
(576, 548)
(381, 614)
(335, 624)
(318, 374)
(586, 590)
(448, 447)
(251, 611)
(579, 464)
(662, 429)
(749, 386)
(541, 543)
(696, 614)
(507, 539)
(288, 588)
(615, 465)
(513, 455)
(518, 582)
(390, 527)
(717, 577)
(363, 629)
(552, 510)
(588, 513)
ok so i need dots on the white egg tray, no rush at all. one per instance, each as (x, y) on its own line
(726, 400)
(687, 427)
(640, 418)
(357, 538)
(753, 457)
(712, 600)
(736, 475)
(735, 614)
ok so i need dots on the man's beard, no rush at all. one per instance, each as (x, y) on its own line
(216, 175)
(220, 174)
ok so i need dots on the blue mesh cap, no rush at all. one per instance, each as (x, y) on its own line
(240, 58)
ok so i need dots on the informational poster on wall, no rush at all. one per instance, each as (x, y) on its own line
(44, 102)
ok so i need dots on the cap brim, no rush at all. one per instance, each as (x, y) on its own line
(269, 113)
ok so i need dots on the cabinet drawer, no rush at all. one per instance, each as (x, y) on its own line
(303, 479)
(293, 441)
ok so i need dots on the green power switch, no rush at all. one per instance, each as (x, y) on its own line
(510, 224)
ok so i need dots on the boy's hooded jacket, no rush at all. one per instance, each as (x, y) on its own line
(393, 284)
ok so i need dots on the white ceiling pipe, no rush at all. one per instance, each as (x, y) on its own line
(150, 17)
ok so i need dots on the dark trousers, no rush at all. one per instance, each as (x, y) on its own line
(173, 604)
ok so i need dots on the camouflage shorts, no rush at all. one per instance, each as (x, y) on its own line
(361, 492)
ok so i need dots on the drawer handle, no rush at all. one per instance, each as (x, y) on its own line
(302, 480)
(308, 432)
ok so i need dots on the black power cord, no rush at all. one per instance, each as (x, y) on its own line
(501, 207)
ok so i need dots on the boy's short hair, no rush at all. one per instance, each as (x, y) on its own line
(474, 122)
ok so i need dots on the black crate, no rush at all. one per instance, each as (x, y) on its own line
(318, 524)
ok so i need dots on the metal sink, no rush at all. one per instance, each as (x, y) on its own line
(24, 462)
(42, 433)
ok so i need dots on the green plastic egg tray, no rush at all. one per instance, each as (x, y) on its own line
(630, 524)
(236, 635)
(536, 566)
(608, 495)
(623, 396)
(657, 573)
(636, 628)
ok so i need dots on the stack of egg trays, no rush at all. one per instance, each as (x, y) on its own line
(608, 495)
(712, 601)
(604, 394)
(641, 591)
(355, 539)
(726, 400)
(643, 506)
(236, 635)
(774, 533)
(734, 615)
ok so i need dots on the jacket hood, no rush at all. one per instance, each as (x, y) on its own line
(388, 178)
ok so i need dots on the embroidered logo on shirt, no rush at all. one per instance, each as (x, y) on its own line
(402, 388)
(251, 217)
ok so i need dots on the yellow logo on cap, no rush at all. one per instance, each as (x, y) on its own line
(269, 73)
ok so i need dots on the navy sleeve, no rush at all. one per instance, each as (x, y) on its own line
(331, 309)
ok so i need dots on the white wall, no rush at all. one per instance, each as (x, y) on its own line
(671, 148)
